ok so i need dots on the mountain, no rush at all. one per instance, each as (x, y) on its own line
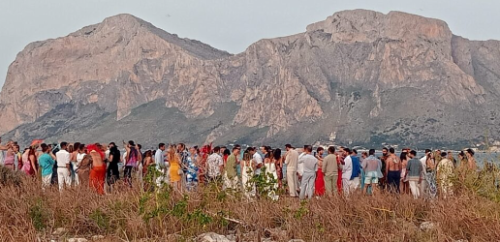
(359, 78)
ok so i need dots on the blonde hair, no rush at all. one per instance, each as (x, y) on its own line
(172, 154)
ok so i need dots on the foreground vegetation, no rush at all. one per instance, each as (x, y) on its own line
(27, 214)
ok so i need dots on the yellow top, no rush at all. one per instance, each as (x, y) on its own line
(174, 171)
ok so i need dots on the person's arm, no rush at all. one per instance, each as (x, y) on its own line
(68, 157)
(4, 147)
(32, 161)
(221, 164)
(324, 166)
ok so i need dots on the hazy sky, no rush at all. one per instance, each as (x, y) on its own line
(229, 25)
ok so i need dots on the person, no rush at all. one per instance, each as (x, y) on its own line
(2, 149)
(383, 159)
(10, 157)
(471, 161)
(340, 163)
(131, 160)
(30, 166)
(230, 176)
(77, 160)
(444, 172)
(356, 171)
(319, 183)
(278, 163)
(346, 171)
(405, 187)
(113, 172)
(364, 155)
(148, 163)
(63, 167)
(162, 165)
(291, 161)
(452, 158)
(46, 164)
(183, 158)
(97, 174)
(225, 154)
(257, 160)
(423, 185)
(215, 165)
(371, 165)
(175, 170)
(310, 166)
(330, 170)
(393, 171)
(196, 168)
(247, 174)
(271, 171)
(430, 175)
(414, 174)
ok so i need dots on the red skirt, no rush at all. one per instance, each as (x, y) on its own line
(97, 177)
(319, 184)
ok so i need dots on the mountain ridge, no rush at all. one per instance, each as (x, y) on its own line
(348, 78)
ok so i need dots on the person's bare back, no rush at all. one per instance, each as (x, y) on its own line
(393, 163)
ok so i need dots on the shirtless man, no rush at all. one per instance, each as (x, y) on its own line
(393, 171)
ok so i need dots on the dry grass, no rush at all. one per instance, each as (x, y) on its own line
(27, 213)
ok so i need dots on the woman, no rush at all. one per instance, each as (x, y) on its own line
(30, 166)
(271, 174)
(225, 155)
(194, 169)
(113, 172)
(471, 161)
(147, 163)
(430, 174)
(78, 157)
(46, 165)
(131, 161)
(319, 183)
(97, 174)
(247, 175)
(278, 162)
(10, 157)
(175, 170)
(405, 184)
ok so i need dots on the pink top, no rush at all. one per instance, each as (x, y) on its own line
(9, 159)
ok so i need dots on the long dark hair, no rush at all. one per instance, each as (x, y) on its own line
(403, 156)
(277, 154)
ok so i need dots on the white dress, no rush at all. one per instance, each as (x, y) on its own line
(246, 176)
(272, 175)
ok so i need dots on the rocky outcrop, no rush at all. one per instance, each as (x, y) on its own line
(358, 77)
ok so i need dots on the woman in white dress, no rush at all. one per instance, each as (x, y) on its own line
(271, 174)
(247, 173)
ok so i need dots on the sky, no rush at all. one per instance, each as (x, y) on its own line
(230, 25)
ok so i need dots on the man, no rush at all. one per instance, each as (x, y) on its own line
(63, 168)
(310, 164)
(161, 165)
(222, 149)
(330, 170)
(393, 171)
(230, 175)
(382, 181)
(215, 165)
(291, 161)
(356, 171)
(113, 171)
(414, 174)
(257, 160)
(444, 172)
(183, 154)
(347, 171)
(371, 165)
(423, 163)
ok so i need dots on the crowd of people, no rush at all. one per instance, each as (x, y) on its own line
(303, 173)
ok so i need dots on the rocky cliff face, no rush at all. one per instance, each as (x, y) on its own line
(358, 77)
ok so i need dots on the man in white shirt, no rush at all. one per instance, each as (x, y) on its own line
(423, 183)
(257, 160)
(291, 161)
(161, 165)
(346, 171)
(215, 165)
(63, 168)
(310, 166)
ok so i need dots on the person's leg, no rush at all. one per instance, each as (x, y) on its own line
(328, 184)
(345, 186)
(292, 189)
(415, 190)
(303, 187)
(67, 178)
(60, 178)
(310, 185)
